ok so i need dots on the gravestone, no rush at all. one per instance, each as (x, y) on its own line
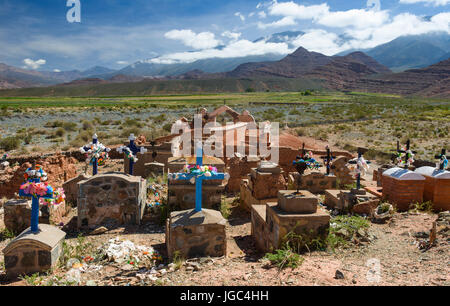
(153, 170)
(111, 197)
(30, 253)
(262, 185)
(239, 168)
(341, 171)
(131, 151)
(198, 232)
(71, 188)
(182, 193)
(296, 212)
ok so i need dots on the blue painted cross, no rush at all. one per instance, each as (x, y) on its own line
(131, 151)
(34, 176)
(94, 149)
(199, 178)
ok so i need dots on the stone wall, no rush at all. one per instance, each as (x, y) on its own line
(239, 168)
(111, 197)
(341, 171)
(266, 185)
(71, 188)
(59, 169)
(248, 200)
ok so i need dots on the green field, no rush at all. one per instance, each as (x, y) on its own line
(346, 120)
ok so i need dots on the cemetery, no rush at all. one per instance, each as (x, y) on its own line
(141, 213)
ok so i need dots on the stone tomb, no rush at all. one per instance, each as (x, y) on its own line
(437, 187)
(29, 253)
(315, 181)
(17, 214)
(402, 187)
(71, 188)
(153, 170)
(271, 222)
(181, 193)
(164, 153)
(111, 197)
(196, 234)
(262, 185)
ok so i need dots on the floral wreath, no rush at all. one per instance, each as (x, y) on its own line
(97, 151)
(37, 189)
(311, 163)
(442, 162)
(59, 198)
(361, 167)
(36, 173)
(128, 154)
(406, 160)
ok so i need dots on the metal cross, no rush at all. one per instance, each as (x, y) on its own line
(327, 159)
(408, 145)
(94, 148)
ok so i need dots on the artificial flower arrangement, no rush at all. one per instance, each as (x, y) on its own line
(36, 173)
(358, 166)
(443, 163)
(128, 153)
(96, 151)
(311, 163)
(59, 198)
(37, 189)
(199, 170)
(406, 160)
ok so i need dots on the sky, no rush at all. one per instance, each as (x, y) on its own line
(37, 35)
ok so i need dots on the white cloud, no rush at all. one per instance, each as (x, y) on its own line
(231, 35)
(262, 14)
(427, 2)
(31, 64)
(56, 70)
(320, 41)
(239, 14)
(203, 40)
(354, 18)
(238, 48)
(283, 22)
(297, 11)
(122, 63)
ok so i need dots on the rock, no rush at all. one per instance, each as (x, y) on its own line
(339, 275)
(194, 265)
(99, 230)
(189, 268)
(422, 235)
(128, 267)
(91, 283)
(343, 233)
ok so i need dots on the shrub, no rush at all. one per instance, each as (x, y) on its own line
(9, 143)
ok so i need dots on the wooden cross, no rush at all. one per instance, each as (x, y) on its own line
(443, 159)
(94, 148)
(34, 199)
(199, 178)
(301, 164)
(132, 150)
(327, 159)
(154, 153)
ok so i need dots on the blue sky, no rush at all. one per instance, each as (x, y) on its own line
(115, 33)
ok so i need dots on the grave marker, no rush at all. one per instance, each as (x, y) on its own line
(408, 158)
(303, 162)
(96, 153)
(328, 159)
(361, 166)
(131, 152)
(196, 174)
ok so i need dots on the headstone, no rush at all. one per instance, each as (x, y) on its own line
(131, 151)
(303, 202)
(30, 253)
(153, 170)
(71, 188)
(111, 197)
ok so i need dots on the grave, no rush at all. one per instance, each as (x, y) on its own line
(38, 247)
(153, 170)
(30, 253)
(111, 197)
(71, 188)
(239, 168)
(155, 154)
(131, 151)
(182, 193)
(402, 187)
(296, 212)
(341, 171)
(437, 187)
(198, 232)
(262, 185)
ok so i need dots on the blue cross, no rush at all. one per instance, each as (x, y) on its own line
(198, 178)
(133, 150)
(34, 203)
(94, 145)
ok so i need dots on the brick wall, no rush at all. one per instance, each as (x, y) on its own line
(402, 193)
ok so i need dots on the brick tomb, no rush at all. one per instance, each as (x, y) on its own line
(298, 213)
(437, 187)
(313, 181)
(111, 197)
(29, 253)
(402, 187)
(262, 185)
(181, 193)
